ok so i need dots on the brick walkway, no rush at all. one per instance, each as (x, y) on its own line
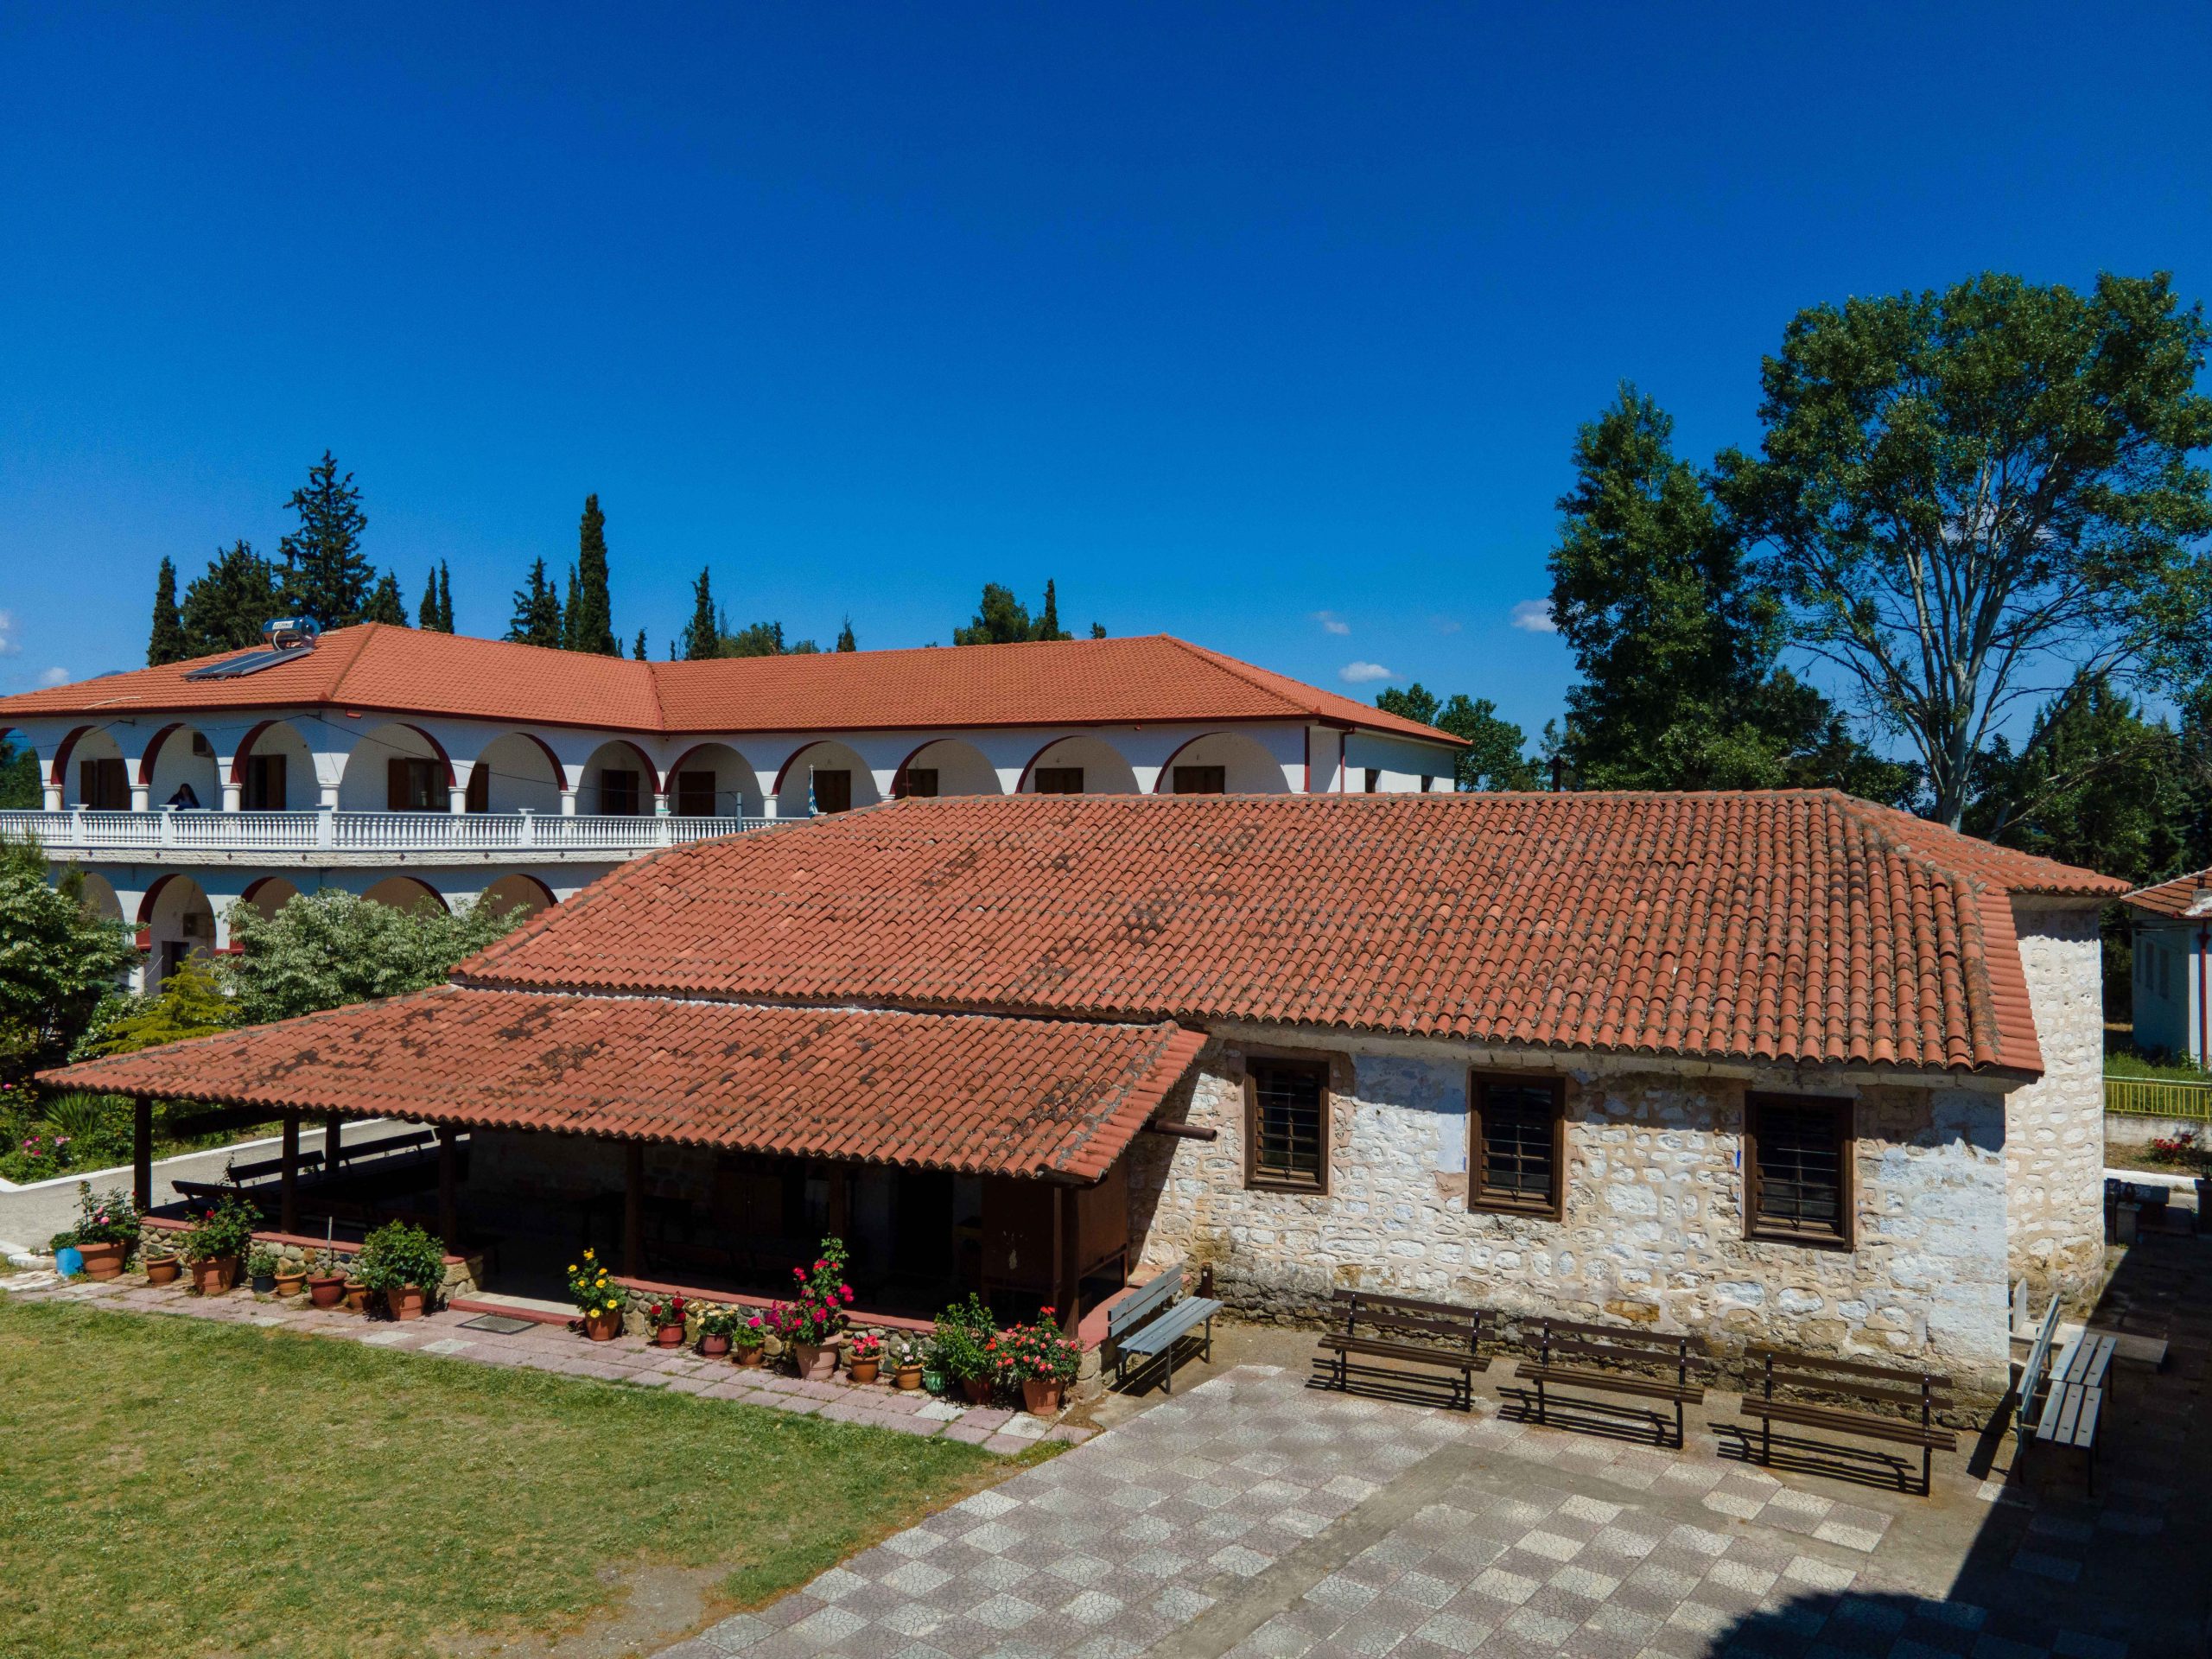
(554, 1348)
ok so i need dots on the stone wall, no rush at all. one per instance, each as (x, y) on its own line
(2055, 1145)
(1653, 1229)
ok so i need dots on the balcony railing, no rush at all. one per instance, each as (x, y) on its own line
(308, 834)
(2158, 1098)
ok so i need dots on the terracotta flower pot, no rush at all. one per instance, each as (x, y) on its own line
(326, 1289)
(1041, 1397)
(863, 1370)
(669, 1336)
(602, 1327)
(357, 1297)
(216, 1276)
(815, 1364)
(102, 1261)
(907, 1376)
(406, 1302)
(162, 1269)
(748, 1357)
(288, 1284)
(713, 1345)
(977, 1389)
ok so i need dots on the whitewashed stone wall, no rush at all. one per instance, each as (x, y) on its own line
(1653, 1224)
(2055, 1152)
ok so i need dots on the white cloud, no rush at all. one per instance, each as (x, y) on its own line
(1535, 616)
(9, 645)
(1363, 673)
(54, 677)
(1331, 623)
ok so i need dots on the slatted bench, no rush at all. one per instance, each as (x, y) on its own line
(2074, 1398)
(1613, 1359)
(1915, 1394)
(1449, 1337)
(2029, 1392)
(240, 1174)
(1148, 1324)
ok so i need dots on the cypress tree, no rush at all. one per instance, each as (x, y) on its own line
(639, 650)
(166, 644)
(445, 598)
(704, 638)
(226, 608)
(590, 624)
(1048, 620)
(384, 603)
(568, 640)
(325, 575)
(537, 610)
(435, 613)
(845, 640)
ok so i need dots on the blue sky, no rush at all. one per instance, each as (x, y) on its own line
(1267, 325)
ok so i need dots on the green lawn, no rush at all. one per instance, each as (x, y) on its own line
(173, 1486)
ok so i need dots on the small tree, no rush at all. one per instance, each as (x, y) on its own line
(537, 620)
(190, 1002)
(57, 961)
(1494, 758)
(166, 642)
(327, 950)
(845, 640)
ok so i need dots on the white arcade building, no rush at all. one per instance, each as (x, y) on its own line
(415, 767)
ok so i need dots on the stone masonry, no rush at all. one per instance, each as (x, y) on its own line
(2055, 1151)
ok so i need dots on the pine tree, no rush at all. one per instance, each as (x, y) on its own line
(537, 610)
(845, 640)
(166, 644)
(325, 575)
(227, 608)
(1098, 630)
(704, 638)
(384, 603)
(590, 624)
(638, 651)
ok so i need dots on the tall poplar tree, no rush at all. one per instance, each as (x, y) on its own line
(537, 610)
(589, 623)
(325, 575)
(166, 643)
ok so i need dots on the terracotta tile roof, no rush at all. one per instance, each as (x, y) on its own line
(1064, 683)
(1796, 926)
(968, 1093)
(2174, 898)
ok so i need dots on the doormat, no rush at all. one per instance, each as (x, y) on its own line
(503, 1324)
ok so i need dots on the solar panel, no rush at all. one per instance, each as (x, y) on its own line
(252, 662)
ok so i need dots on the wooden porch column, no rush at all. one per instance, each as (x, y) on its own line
(141, 1153)
(633, 1193)
(448, 1176)
(287, 1177)
(330, 1123)
(1067, 1262)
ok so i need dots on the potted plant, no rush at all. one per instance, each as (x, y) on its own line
(162, 1265)
(1040, 1358)
(327, 1283)
(904, 1355)
(404, 1265)
(748, 1339)
(957, 1349)
(218, 1236)
(817, 1314)
(289, 1279)
(718, 1323)
(261, 1269)
(665, 1319)
(106, 1231)
(863, 1356)
(598, 1299)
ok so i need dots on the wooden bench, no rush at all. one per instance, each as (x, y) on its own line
(239, 1174)
(2028, 1393)
(1613, 1359)
(2074, 1398)
(1448, 1337)
(1916, 1394)
(1150, 1322)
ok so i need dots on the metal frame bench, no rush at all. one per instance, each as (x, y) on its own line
(1454, 1334)
(1149, 1323)
(1905, 1390)
(1613, 1359)
(2073, 1399)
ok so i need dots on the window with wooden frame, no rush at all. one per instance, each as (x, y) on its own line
(1058, 780)
(833, 791)
(264, 782)
(1201, 780)
(479, 794)
(1798, 1170)
(412, 786)
(1286, 1124)
(918, 783)
(620, 795)
(695, 794)
(1516, 1144)
(103, 786)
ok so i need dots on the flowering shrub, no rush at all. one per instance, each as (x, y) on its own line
(591, 1290)
(2177, 1148)
(222, 1229)
(398, 1254)
(668, 1311)
(36, 1158)
(1039, 1352)
(959, 1347)
(111, 1218)
(750, 1332)
(818, 1313)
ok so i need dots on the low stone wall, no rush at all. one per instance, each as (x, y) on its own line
(2125, 1130)
(296, 1254)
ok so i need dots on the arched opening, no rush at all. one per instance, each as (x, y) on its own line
(618, 781)
(93, 773)
(515, 772)
(396, 768)
(524, 894)
(175, 924)
(1078, 765)
(824, 777)
(1222, 763)
(98, 897)
(713, 780)
(274, 769)
(405, 893)
(946, 766)
(268, 895)
(179, 770)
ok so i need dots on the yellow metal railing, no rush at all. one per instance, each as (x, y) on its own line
(2158, 1098)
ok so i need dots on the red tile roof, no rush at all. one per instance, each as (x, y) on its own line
(972, 1094)
(1792, 927)
(1063, 683)
(2173, 898)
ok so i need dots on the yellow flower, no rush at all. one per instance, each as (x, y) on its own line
(587, 1255)
(572, 1267)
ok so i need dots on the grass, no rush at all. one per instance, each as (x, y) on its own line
(180, 1487)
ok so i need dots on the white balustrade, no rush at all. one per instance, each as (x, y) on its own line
(170, 829)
